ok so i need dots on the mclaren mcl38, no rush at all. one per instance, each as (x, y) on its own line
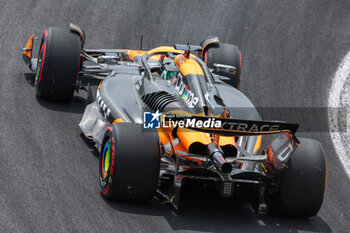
(175, 114)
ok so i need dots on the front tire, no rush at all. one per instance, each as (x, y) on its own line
(301, 187)
(58, 64)
(226, 54)
(129, 163)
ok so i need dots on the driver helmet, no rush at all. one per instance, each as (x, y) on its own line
(166, 74)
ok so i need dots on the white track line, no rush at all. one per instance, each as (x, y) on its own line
(339, 138)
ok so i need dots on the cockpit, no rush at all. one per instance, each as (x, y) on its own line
(187, 74)
(167, 62)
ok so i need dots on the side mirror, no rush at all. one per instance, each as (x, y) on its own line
(225, 70)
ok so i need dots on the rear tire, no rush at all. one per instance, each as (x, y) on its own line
(58, 64)
(132, 172)
(226, 54)
(300, 191)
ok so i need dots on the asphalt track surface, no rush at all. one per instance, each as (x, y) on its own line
(49, 183)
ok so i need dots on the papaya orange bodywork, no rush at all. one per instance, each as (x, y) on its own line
(188, 137)
(119, 120)
(188, 65)
(224, 141)
(163, 137)
(133, 53)
(29, 47)
(164, 49)
(257, 144)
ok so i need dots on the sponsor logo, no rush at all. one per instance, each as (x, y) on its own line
(151, 120)
(191, 123)
(249, 127)
(102, 106)
(138, 84)
(185, 93)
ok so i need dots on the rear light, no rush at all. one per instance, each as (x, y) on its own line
(226, 188)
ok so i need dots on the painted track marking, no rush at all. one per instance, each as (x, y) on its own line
(341, 140)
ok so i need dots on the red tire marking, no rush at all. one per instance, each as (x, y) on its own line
(205, 57)
(113, 155)
(106, 191)
(42, 61)
(45, 33)
(109, 128)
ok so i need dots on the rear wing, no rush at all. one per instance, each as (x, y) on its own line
(228, 126)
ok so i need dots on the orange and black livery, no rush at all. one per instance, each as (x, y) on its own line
(166, 117)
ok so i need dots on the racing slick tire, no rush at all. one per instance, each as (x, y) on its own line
(301, 187)
(58, 64)
(129, 163)
(226, 54)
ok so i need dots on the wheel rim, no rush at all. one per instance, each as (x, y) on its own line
(106, 161)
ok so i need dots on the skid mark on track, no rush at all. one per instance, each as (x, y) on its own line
(339, 96)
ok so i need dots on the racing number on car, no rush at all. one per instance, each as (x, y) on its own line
(283, 156)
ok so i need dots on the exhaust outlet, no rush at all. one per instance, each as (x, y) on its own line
(217, 158)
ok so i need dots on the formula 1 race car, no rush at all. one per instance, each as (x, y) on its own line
(174, 115)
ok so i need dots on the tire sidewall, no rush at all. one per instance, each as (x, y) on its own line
(300, 187)
(135, 163)
(226, 54)
(106, 188)
(60, 64)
